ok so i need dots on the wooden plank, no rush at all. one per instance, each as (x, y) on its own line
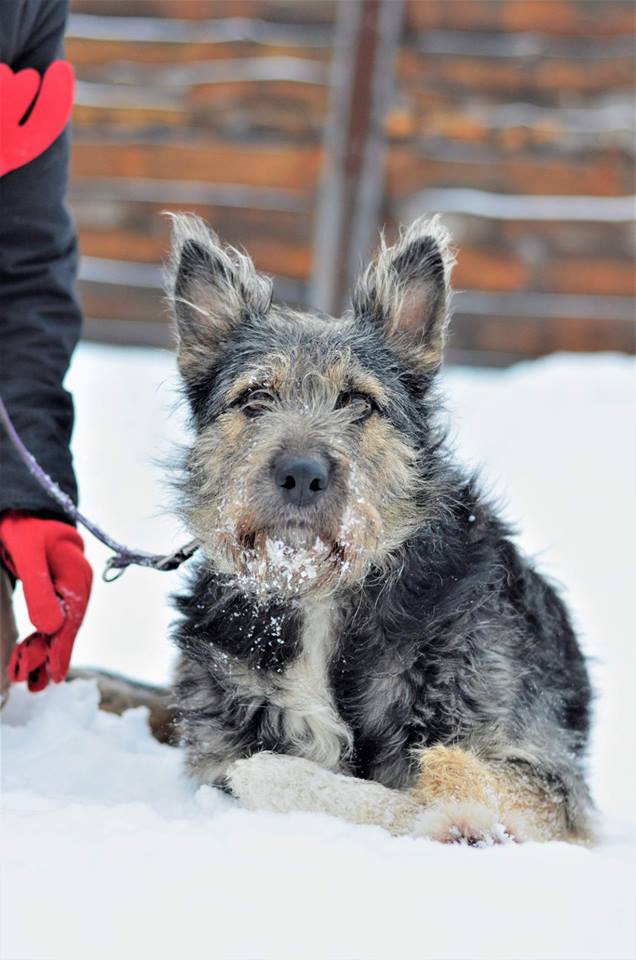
(583, 18)
(562, 239)
(413, 168)
(90, 116)
(522, 208)
(228, 110)
(516, 127)
(533, 324)
(184, 192)
(126, 304)
(545, 306)
(129, 333)
(272, 255)
(254, 164)
(534, 79)
(105, 210)
(525, 48)
(484, 268)
(175, 77)
(598, 274)
(92, 55)
(142, 27)
(536, 336)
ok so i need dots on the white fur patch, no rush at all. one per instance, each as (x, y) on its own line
(310, 718)
(271, 781)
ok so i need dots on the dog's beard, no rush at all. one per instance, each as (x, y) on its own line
(291, 560)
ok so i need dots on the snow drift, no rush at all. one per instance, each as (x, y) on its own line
(109, 852)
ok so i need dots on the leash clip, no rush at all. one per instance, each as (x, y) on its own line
(119, 562)
(113, 569)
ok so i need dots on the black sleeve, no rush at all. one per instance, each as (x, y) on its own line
(40, 318)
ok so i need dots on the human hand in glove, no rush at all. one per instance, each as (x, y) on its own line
(48, 557)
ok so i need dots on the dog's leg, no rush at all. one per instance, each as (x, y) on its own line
(477, 800)
(457, 798)
(270, 781)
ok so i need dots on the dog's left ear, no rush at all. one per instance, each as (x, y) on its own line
(406, 291)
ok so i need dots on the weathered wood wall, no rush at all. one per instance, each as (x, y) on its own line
(514, 119)
(213, 107)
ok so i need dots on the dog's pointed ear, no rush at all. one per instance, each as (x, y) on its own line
(212, 288)
(406, 291)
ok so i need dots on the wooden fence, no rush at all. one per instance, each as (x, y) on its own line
(299, 127)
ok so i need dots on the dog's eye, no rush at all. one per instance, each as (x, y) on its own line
(360, 405)
(253, 402)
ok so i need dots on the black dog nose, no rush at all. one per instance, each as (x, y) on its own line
(301, 480)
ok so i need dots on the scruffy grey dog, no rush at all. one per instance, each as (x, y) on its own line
(361, 636)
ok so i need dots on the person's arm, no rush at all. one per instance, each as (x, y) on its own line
(40, 324)
(40, 318)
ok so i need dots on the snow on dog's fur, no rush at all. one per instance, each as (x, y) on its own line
(361, 636)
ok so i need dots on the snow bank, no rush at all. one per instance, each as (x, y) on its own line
(109, 852)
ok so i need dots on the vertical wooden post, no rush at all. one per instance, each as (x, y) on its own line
(351, 192)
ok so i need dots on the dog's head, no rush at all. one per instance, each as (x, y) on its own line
(309, 464)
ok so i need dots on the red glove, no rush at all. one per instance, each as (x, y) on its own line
(48, 557)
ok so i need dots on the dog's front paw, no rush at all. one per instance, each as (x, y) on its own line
(273, 781)
(468, 824)
(270, 781)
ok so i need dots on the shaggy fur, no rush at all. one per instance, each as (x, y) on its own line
(389, 630)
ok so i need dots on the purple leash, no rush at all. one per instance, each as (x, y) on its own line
(123, 556)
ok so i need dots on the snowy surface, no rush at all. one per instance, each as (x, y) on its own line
(109, 852)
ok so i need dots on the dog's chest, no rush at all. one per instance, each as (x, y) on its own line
(309, 719)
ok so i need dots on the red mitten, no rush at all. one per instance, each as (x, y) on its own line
(48, 557)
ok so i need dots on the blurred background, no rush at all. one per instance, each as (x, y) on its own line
(298, 128)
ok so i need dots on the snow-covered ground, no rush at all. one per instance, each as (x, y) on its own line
(108, 852)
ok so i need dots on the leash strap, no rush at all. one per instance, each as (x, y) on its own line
(123, 556)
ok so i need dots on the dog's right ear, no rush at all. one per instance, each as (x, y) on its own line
(212, 287)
